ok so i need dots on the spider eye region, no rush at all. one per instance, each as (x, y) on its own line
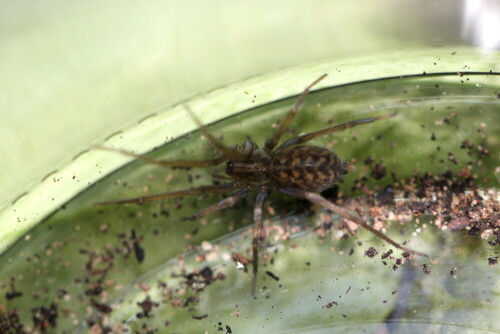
(230, 167)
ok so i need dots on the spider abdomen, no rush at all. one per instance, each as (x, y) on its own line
(310, 168)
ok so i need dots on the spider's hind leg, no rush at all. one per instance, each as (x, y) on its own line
(318, 199)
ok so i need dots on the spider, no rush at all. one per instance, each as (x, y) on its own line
(290, 168)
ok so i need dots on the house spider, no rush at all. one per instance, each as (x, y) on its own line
(290, 168)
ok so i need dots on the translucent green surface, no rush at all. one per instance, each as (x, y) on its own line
(63, 180)
(52, 262)
(76, 74)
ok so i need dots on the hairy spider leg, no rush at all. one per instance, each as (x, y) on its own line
(185, 164)
(318, 199)
(257, 220)
(227, 152)
(216, 175)
(339, 127)
(214, 189)
(272, 142)
(223, 204)
(219, 173)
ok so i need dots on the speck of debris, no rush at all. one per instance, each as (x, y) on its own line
(371, 252)
(101, 307)
(492, 261)
(458, 223)
(452, 158)
(273, 276)
(13, 294)
(386, 196)
(200, 317)
(139, 252)
(386, 254)
(42, 317)
(369, 160)
(453, 271)
(241, 261)
(147, 306)
(330, 305)
(378, 171)
(425, 269)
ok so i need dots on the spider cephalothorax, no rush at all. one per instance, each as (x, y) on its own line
(290, 168)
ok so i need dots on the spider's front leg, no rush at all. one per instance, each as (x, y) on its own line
(274, 140)
(257, 220)
(215, 189)
(185, 164)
